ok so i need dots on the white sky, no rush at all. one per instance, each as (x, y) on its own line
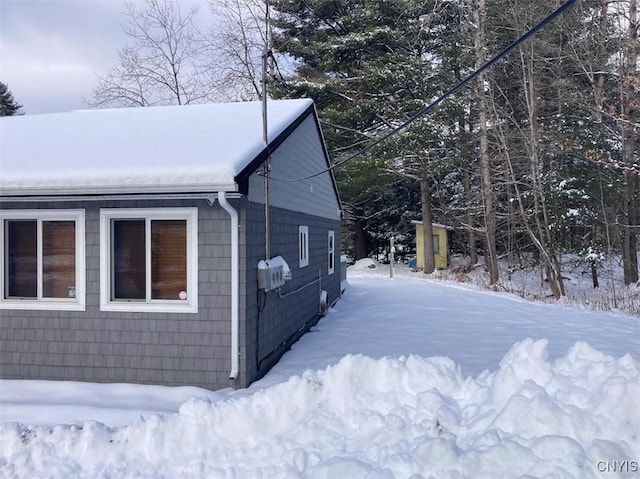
(53, 51)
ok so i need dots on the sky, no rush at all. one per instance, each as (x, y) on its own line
(53, 51)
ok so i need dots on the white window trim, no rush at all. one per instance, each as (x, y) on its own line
(58, 304)
(190, 305)
(303, 246)
(331, 258)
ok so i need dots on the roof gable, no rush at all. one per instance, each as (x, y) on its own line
(195, 148)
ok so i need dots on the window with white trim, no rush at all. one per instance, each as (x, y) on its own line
(303, 245)
(149, 260)
(43, 259)
(331, 257)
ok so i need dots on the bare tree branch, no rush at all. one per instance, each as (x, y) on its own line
(166, 63)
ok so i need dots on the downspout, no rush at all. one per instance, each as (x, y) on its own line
(235, 296)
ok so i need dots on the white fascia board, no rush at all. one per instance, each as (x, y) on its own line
(118, 190)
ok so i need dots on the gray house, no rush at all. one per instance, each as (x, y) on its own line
(145, 245)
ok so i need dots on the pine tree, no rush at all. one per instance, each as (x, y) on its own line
(560, 118)
(370, 66)
(8, 106)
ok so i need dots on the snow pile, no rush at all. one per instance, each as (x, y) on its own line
(56, 402)
(363, 264)
(371, 418)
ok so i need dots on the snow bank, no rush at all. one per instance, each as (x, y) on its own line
(363, 264)
(55, 402)
(366, 418)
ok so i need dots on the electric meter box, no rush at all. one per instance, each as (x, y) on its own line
(273, 274)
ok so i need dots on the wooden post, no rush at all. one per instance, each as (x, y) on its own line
(392, 250)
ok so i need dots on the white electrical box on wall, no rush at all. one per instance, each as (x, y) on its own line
(273, 273)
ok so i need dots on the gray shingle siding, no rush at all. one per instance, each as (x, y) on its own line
(281, 319)
(300, 155)
(152, 348)
(177, 349)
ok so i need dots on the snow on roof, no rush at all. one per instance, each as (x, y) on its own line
(195, 148)
(437, 225)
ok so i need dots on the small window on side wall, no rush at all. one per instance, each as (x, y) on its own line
(303, 245)
(43, 260)
(148, 260)
(331, 249)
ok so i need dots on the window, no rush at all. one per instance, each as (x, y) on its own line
(303, 245)
(332, 266)
(148, 260)
(436, 244)
(43, 260)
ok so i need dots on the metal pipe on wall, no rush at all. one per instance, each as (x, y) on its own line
(235, 286)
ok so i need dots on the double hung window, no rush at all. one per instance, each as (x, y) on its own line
(149, 259)
(43, 260)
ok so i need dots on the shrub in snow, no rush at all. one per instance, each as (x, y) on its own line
(594, 259)
(364, 263)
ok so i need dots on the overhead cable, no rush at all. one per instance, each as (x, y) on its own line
(442, 97)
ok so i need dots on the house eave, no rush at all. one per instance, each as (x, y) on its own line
(97, 192)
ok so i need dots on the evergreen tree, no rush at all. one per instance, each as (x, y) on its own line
(559, 118)
(370, 66)
(8, 106)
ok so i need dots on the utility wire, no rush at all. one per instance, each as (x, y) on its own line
(446, 94)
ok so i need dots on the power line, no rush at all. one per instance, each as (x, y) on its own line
(446, 94)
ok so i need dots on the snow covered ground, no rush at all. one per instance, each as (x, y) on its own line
(405, 378)
(526, 279)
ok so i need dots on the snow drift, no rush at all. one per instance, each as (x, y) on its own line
(371, 418)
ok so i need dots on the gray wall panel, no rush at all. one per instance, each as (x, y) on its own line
(94, 345)
(282, 318)
(300, 155)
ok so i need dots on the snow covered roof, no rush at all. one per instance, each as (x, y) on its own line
(164, 149)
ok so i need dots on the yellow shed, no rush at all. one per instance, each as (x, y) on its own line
(440, 246)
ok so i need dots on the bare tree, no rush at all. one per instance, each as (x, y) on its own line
(239, 37)
(519, 134)
(629, 124)
(608, 59)
(491, 255)
(164, 65)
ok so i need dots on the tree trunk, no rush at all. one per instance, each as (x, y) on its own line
(471, 233)
(491, 256)
(465, 153)
(541, 216)
(630, 242)
(427, 226)
(630, 116)
(601, 55)
(362, 245)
